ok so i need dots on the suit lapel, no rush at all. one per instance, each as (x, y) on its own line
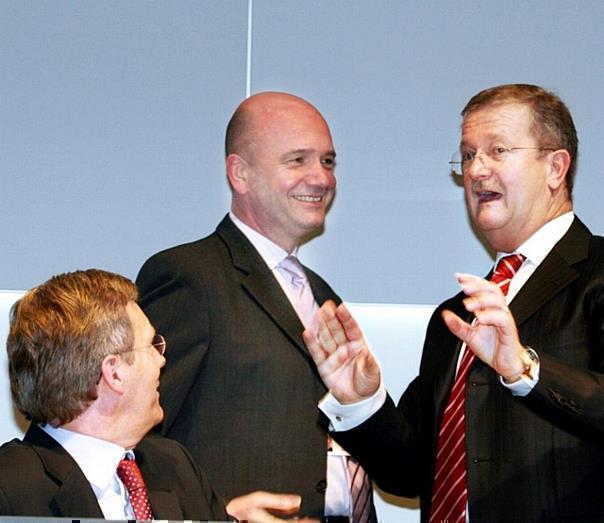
(74, 495)
(162, 496)
(443, 377)
(260, 283)
(553, 274)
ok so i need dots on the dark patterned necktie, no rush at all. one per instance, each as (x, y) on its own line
(361, 493)
(131, 477)
(450, 493)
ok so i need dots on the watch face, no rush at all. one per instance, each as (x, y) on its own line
(532, 354)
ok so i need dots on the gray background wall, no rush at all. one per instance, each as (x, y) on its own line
(113, 114)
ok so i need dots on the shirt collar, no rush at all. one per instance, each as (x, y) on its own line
(97, 458)
(270, 252)
(539, 245)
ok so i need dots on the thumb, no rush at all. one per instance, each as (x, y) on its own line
(456, 325)
(280, 502)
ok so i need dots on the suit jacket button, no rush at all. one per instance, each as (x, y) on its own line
(321, 486)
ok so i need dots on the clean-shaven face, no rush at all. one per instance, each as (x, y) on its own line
(508, 200)
(143, 375)
(292, 180)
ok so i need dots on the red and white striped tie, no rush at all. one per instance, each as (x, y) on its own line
(450, 493)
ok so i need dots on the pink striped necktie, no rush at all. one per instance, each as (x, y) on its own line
(450, 493)
(131, 477)
(304, 301)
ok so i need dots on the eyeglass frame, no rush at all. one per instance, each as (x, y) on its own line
(505, 151)
(159, 345)
(161, 351)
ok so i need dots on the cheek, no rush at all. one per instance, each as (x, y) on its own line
(332, 182)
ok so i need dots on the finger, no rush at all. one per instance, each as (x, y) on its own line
(471, 284)
(336, 328)
(283, 504)
(370, 370)
(325, 325)
(314, 348)
(501, 319)
(256, 506)
(326, 339)
(456, 325)
(351, 327)
(485, 301)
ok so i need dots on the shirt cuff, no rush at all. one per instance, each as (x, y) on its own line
(345, 417)
(525, 384)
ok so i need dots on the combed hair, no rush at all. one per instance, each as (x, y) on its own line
(553, 124)
(60, 332)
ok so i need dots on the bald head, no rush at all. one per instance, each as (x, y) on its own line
(249, 118)
(280, 165)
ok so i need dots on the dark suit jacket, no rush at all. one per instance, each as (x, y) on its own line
(39, 478)
(538, 458)
(239, 389)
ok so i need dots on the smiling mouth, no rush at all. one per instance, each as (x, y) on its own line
(487, 196)
(308, 199)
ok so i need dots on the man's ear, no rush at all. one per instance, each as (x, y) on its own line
(112, 372)
(559, 166)
(238, 173)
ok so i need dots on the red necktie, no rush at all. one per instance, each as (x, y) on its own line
(450, 493)
(131, 477)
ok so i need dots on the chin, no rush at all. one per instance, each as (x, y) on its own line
(488, 221)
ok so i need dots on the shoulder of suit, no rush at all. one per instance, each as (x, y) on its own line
(17, 457)
(159, 444)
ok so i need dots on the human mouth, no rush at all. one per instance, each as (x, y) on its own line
(308, 199)
(487, 196)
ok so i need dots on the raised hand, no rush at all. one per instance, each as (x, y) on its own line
(493, 337)
(343, 359)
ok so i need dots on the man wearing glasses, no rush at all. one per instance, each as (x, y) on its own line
(84, 366)
(505, 421)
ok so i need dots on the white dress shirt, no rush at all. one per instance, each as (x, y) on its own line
(337, 494)
(98, 460)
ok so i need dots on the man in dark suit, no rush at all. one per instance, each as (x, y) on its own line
(240, 389)
(521, 416)
(84, 366)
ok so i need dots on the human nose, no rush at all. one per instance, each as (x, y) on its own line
(321, 174)
(477, 167)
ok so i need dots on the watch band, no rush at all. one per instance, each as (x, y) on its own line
(530, 359)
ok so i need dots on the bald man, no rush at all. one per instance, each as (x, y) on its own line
(240, 390)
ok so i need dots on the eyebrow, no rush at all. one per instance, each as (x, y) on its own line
(331, 153)
(490, 137)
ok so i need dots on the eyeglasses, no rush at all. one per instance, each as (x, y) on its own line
(158, 343)
(462, 160)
